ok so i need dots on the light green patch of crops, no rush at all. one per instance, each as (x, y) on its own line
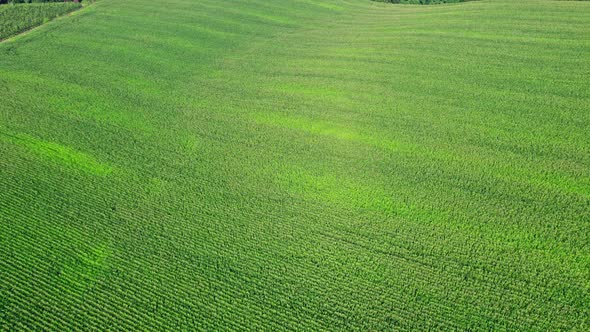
(58, 153)
(324, 128)
(333, 190)
(85, 270)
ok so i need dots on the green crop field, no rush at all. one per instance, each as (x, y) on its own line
(18, 18)
(297, 165)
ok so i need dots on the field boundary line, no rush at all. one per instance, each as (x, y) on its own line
(29, 30)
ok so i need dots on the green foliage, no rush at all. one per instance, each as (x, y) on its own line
(18, 18)
(422, 2)
(32, 1)
(305, 165)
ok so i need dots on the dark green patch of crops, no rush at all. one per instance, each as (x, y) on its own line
(21, 17)
(33, 1)
(302, 165)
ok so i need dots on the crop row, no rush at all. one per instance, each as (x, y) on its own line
(15, 19)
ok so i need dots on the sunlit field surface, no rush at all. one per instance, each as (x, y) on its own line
(297, 165)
